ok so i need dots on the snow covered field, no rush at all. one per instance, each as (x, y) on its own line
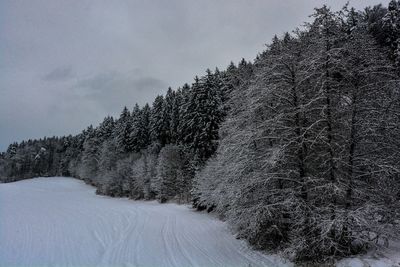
(61, 222)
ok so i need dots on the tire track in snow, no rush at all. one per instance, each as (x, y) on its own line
(193, 243)
(138, 238)
(170, 255)
(181, 248)
(113, 250)
(61, 222)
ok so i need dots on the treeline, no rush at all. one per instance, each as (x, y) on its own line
(148, 152)
(299, 151)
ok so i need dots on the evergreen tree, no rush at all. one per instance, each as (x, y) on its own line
(167, 115)
(134, 136)
(202, 116)
(177, 102)
(391, 24)
(90, 156)
(123, 131)
(168, 170)
(182, 130)
(157, 130)
(144, 126)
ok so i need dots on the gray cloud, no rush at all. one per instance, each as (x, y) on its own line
(67, 64)
(113, 89)
(59, 74)
(146, 84)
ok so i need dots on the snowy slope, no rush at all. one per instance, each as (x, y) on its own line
(61, 222)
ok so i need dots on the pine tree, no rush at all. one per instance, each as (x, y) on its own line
(168, 170)
(134, 136)
(167, 115)
(90, 155)
(123, 131)
(144, 126)
(177, 102)
(182, 130)
(105, 130)
(391, 24)
(202, 116)
(157, 130)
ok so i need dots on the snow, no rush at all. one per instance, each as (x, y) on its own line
(62, 222)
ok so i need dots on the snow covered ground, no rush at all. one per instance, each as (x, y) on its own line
(61, 222)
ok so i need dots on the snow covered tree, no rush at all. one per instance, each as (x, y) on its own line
(90, 156)
(391, 24)
(123, 130)
(373, 17)
(168, 171)
(182, 130)
(177, 102)
(144, 127)
(105, 129)
(157, 131)
(202, 116)
(135, 135)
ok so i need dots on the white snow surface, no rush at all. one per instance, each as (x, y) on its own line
(62, 222)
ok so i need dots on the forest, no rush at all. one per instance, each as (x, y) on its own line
(298, 150)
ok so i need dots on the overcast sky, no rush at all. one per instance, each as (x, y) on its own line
(67, 64)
